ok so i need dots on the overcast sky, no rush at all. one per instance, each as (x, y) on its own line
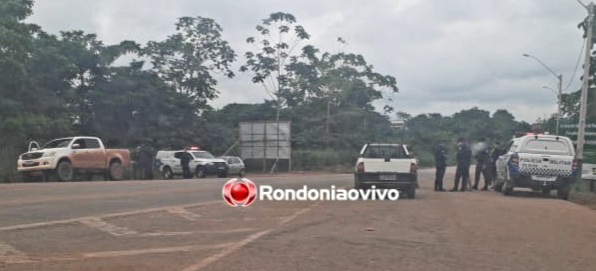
(447, 55)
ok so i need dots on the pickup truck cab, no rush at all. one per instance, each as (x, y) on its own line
(387, 166)
(539, 162)
(64, 158)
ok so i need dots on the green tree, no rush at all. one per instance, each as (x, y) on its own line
(188, 59)
(343, 79)
(275, 46)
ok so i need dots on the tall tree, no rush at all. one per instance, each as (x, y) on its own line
(344, 79)
(278, 37)
(188, 59)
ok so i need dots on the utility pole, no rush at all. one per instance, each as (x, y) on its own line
(584, 93)
(559, 94)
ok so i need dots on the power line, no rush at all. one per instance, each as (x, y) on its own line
(576, 66)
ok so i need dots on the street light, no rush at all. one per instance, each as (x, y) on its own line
(560, 86)
(558, 104)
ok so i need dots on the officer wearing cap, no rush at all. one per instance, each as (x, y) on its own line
(440, 153)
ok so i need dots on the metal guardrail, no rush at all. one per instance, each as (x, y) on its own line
(589, 178)
(589, 183)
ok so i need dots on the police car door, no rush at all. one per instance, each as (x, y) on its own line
(501, 163)
(176, 163)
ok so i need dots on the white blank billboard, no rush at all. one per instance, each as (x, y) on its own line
(265, 140)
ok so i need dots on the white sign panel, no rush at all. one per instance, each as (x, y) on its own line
(265, 140)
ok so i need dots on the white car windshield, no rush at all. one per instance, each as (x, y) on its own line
(202, 154)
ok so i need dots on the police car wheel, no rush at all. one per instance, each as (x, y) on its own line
(167, 173)
(200, 172)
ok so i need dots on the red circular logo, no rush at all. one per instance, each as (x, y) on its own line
(239, 192)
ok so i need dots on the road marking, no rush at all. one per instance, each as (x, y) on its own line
(9, 254)
(99, 224)
(120, 253)
(236, 246)
(112, 215)
(186, 214)
(126, 195)
(150, 234)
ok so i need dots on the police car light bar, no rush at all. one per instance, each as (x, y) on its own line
(195, 148)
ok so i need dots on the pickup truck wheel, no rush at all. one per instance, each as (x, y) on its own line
(507, 189)
(116, 171)
(167, 173)
(64, 171)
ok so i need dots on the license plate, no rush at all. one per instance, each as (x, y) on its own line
(221, 167)
(544, 178)
(29, 163)
(387, 177)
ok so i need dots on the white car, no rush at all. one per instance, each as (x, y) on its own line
(235, 164)
(202, 164)
(539, 162)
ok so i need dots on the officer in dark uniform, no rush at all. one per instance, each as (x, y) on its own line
(145, 156)
(440, 164)
(185, 163)
(481, 155)
(491, 168)
(462, 171)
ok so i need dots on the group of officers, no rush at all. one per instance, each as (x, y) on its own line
(486, 157)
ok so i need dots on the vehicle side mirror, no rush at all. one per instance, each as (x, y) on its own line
(76, 146)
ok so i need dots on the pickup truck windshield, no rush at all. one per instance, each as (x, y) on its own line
(58, 143)
(385, 151)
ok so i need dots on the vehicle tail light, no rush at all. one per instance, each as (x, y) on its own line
(413, 168)
(360, 167)
(574, 165)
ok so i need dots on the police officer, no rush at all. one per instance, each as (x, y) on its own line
(462, 171)
(145, 155)
(492, 164)
(440, 164)
(185, 163)
(481, 155)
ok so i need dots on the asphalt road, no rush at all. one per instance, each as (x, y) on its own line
(185, 225)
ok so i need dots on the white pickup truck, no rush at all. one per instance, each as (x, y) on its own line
(387, 166)
(64, 158)
(539, 162)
